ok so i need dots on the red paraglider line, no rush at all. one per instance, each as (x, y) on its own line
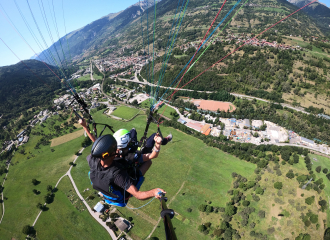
(202, 42)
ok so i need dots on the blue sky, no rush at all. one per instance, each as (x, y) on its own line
(326, 2)
(77, 13)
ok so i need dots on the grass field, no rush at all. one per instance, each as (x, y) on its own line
(125, 112)
(67, 138)
(64, 221)
(84, 78)
(206, 172)
(97, 77)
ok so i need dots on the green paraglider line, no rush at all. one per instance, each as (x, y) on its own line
(153, 52)
(161, 77)
(217, 36)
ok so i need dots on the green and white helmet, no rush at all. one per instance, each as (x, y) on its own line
(123, 137)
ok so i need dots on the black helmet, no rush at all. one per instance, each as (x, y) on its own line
(104, 146)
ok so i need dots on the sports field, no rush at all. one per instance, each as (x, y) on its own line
(215, 105)
(125, 112)
(205, 172)
(66, 138)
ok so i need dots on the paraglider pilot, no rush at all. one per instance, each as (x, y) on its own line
(117, 168)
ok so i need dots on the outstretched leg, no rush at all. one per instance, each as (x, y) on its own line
(150, 142)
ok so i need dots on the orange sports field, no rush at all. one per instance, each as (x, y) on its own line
(214, 105)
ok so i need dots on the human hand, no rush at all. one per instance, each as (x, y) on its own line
(157, 192)
(82, 122)
(158, 139)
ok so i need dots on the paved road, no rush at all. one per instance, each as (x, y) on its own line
(234, 94)
(92, 71)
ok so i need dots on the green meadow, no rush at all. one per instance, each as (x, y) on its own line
(64, 221)
(125, 112)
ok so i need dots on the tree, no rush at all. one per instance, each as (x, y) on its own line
(35, 181)
(246, 203)
(278, 185)
(322, 203)
(114, 216)
(202, 207)
(259, 190)
(39, 205)
(290, 175)
(201, 228)
(327, 234)
(86, 142)
(309, 200)
(230, 210)
(35, 191)
(314, 218)
(49, 198)
(218, 232)
(256, 198)
(261, 214)
(209, 209)
(27, 229)
(325, 170)
(318, 169)
(307, 223)
(49, 188)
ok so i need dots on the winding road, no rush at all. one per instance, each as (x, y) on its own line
(234, 94)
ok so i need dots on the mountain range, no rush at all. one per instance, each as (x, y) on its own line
(122, 29)
(318, 11)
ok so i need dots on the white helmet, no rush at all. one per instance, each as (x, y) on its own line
(123, 137)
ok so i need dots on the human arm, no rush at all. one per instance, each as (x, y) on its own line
(146, 194)
(83, 123)
(155, 152)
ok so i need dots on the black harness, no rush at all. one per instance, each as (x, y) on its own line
(103, 179)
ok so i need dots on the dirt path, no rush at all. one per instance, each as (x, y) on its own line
(3, 202)
(142, 214)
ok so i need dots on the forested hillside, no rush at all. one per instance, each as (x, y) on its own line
(20, 89)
